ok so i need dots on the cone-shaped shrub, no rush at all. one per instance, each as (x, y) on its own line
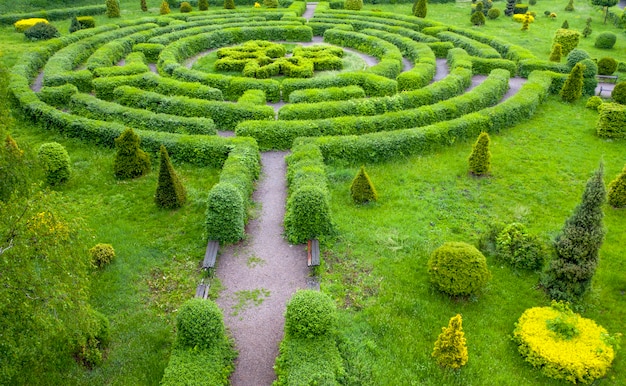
(451, 347)
(144, 6)
(556, 53)
(458, 269)
(203, 5)
(165, 8)
(170, 191)
(480, 159)
(130, 161)
(617, 191)
(587, 31)
(573, 87)
(229, 4)
(353, 5)
(200, 324)
(55, 162)
(577, 246)
(225, 214)
(569, 7)
(362, 190)
(113, 8)
(185, 7)
(565, 25)
(420, 9)
(310, 314)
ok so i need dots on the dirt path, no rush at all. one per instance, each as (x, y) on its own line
(264, 269)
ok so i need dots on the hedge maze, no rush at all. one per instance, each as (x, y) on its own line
(137, 73)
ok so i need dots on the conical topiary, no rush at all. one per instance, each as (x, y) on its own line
(229, 4)
(130, 161)
(556, 53)
(480, 159)
(113, 8)
(203, 5)
(569, 7)
(144, 5)
(587, 31)
(170, 191)
(362, 190)
(165, 8)
(451, 346)
(565, 25)
(526, 22)
(573, 87)
(420, 9)
(617, 191)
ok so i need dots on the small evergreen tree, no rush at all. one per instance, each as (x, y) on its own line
(478, 17)
(420, 8)
(451, 346)
(570, 6)
(144, 6)
(578, 244)
(362, 189)
(165, 8)
(526, 22)
(510, 7)
(130, 161)
(480, 159)
(617, 191)
(565, 25)
(203, 5)
(170, 192)
(229, 4)
(113, 8)
(74, 25)
(587, 31)
(555, 54)
(573, 87)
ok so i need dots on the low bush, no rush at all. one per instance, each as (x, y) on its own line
(612, 120)
(575, 56)
(607, 66)
(567, 38)
(520, 249)
(58, 96)
(605, 40)
(23, 25)
(362, 189)
(458, 269)
(480, 159)
(170, 192)
(255, 97)
(55, 163)
(150, 50)
(617, 191)
(199, 324)
(86, 22)
(91, 346)
(101, 255)
(54, 14)
(493, 13)
(353, 5)
(619, 93)
(42, 31)
(225, 214)
(185, 7)
(323, 364)
(314, 95)
(594, 102)
(310, 314)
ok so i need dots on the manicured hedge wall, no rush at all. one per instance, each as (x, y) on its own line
(373, 85)
(314, 95)
(472, 46)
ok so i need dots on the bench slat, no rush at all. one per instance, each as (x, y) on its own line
(211, 254)
(200, 290)
(313, 253)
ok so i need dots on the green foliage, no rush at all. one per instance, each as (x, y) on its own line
(607, 66)
(143, 5)
(225, 214)
(578, 244)
(229, 4)
(185, 7)
(362, 189)
(565, 25)
(587, 31)
(42, 31)
(573, 88)
(606, 4)
(606, 40)
(612, 121)
(569, 7)
(90, 350)
(165, 8)
(594, 102)
(458, 269)
(478, 18)
(199, 324)
(617, 191)
(13, 169)
(520, 249)
(589, 72)
(170, 192)
(323, 364)
(567, 38)
(270, 3)
(310, 314)
(211, 366)
(55, 163)
(113, 8)
(101, 255)
(203, 5)
(493, 13)
(555, 54)
(130, 160)
(353, 5)
(86, 22)
(619, 93)
(480, 158)
(575, 56)
(451, 346)
(420, 8)
(326, 94)
(74, 25)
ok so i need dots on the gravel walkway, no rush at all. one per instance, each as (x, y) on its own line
(259, 275)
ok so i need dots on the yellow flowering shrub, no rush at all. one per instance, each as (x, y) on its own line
(24, 24)
(563, 344)
(520, 18)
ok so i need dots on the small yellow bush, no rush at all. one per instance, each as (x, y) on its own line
(564, 344)
(24, 24)
(520, 18)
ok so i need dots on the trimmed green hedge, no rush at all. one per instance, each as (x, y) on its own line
(558, 80)
(313, 95)
(611, 121)
(373, 85)
(505, 48)
(150, 50)
(54, 14)
(134, 64)
(473, 47)
(112, 52)
(459, 57)
(58, 96)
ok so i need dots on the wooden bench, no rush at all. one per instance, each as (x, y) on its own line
(211, 254)
(202, 291)
(313, 253)
(607, 78)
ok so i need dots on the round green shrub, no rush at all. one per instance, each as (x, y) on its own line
(478, 18)
(200, 324)
(55, 162)
(576, 55)
(515, 246)
(567, 38)
(607, 66)
(74, 25)
(101, 255)
(493, 13)
(593, 102)
(225, 213)
(354, 5)
(229, 4)
(532, 2)
(310, 314)
(621, 66)
(203, 5)
(616, 196)
(619, 93)
(591, 68)
(458, 269)
(185, 7)
(605, 40)
(42, 31)
(90, 348)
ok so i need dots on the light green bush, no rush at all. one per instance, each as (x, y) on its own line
(199, 324)
(101, 255)
(225, 214)
(55, 162)
(458, 269)
(520, 249)
(567, 38)
(605, 40)
(130, 161)
(310, 314)
(612, 120)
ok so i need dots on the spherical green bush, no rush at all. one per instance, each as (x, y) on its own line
(606, 40)
(55, 162)
(493, 13)
(42, 31)
(199, 323)
(101, 255)
(185, 7)
(591, 68)
(458, 269)
(310, 314)
(619, 93)
(593, 102)
(607, 66)
(515, 246)
(576, 55)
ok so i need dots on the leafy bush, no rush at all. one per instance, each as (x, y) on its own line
(225, 214)
(478, 18)
(607, 66)
(113, 8)
(229, 4)
(451, 347)
(55, 162)
(91, 346)
(605, 40)
(165, 8)
(555, 54)
(59, 96)
(458, 269)
(570, 6)
(612, 120)
(270, 3)
(575, 56)
(619, 93)
(591, 69)
(185, 7)
(573, 88)
(310, 314)
(362, 190)
(567, 38)
(563, 344)
(308, 214)
(203, 5)
(480, 159)
(354, 5)
(323, 364)
(86, 22)
(594, 102)
(130, 161)
(493, 13)
(617, 191)
(24, 24)
(74, 25)
(211, 366)
(101, 255)
(42, 31)
(199, 324)
(170, 192)
(515, 246)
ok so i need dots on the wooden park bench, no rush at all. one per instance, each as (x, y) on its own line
(607, 78)
(211, 254)
(313, 252)
(202, 291)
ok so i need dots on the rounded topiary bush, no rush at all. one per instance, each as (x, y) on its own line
(493, 13)
(185, 7)
(458, 269)
(563, 344)
(310, 314)
(42, 31)
(200, 324)
(567, 38)
(101, 255)
(619, 93)
(515, 246)
(607, 66)
(616, 195)
(605, 40)
(593, 102)
(354, 5)
(576, 55)
(55, 162)
(225, 213)
(591, 68)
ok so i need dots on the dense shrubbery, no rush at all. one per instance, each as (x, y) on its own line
(612, 120)
(199, 324)
(310, 314)
(605, 40)
(520, 249)
(353, 5)
(458, 269)
(225, 214)
(607, 66)
(185, 7)
(101, 255)
(480, 158)
(314, 95)
(619, 93)
(573, 87)
(130, 160)
(54, 14)
(25, 24)
(594, 102)
(42, 31)
(616, 196)
(55, 163)
(170, 192)
(113, 8)
(567, 38)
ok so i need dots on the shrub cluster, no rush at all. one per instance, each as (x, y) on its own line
(23, 25)
(612, 120)
(458, 269)
(567, 38)
(314, 95)
(594, 102)
(130, 160)
(55, 163)
(255, 97)
(616, 196)
(101, 255)
(520, 249)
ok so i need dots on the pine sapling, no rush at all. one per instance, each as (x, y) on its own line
(617, 191)
(556, 53)
(587, 31)
(565, 25)
(362, 190)
(480, 159)
(451, 346)
(170, 192)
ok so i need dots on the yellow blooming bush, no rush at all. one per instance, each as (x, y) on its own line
(520, 18)
(563, 344)
(24, 24)
(257, 5)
